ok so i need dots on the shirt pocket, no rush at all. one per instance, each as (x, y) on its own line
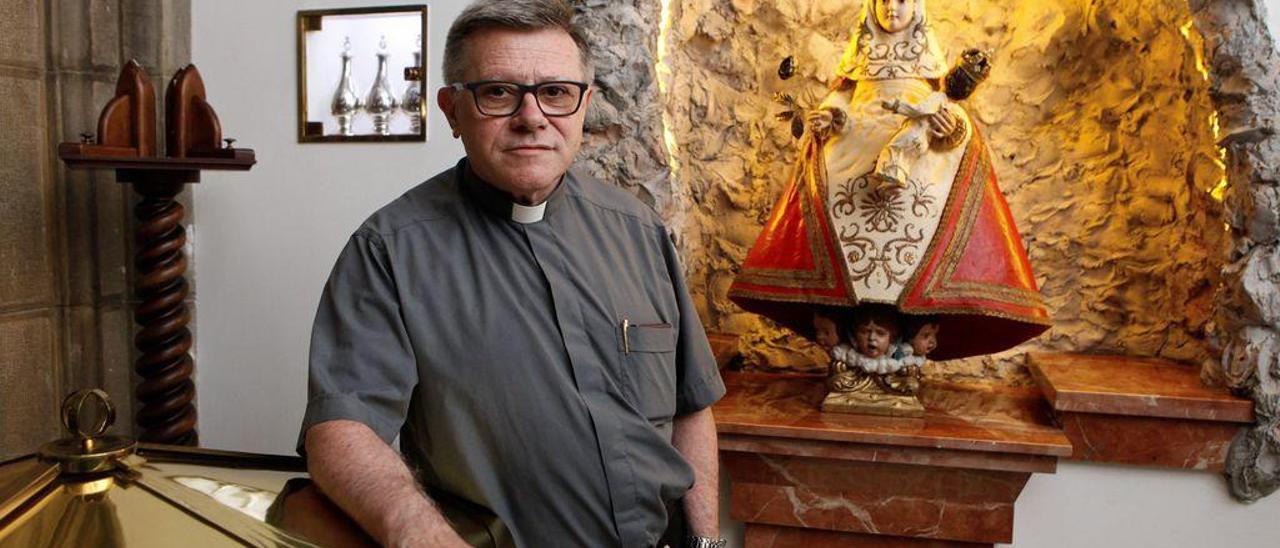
(649, 366)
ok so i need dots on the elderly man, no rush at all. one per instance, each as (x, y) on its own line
(525, 329)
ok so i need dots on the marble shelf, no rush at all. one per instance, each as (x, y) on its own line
(1139, 411)
(801, 476)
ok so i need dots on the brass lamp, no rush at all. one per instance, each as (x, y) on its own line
(92, 489)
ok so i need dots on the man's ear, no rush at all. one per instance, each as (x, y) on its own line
(586, 99)
(445, 99)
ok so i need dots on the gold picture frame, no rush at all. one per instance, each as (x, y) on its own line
(346, 48)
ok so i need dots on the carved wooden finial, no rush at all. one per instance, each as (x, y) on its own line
(192, 127)
(127, 125)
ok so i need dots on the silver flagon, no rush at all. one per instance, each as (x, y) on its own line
(345, 103)
(381, 102)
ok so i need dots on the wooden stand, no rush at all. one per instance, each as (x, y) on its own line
(126, 143)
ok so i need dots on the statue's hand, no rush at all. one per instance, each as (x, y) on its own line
(946, 130)
(819, 120)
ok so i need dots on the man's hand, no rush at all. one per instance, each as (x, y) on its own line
(366, 478)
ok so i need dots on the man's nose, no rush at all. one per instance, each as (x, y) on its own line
(529, 115)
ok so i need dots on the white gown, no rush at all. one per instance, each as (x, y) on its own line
(883, 232)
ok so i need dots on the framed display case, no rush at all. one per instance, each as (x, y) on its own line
(361, 74)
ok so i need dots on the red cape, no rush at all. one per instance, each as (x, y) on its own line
(974, 276)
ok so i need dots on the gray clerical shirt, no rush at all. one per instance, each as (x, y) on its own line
(530, 367)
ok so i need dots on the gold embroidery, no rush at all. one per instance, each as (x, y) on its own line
(785, 298)
(881, 207)
(865, 259)
(802, 178)
(812, 167)
(975, 163)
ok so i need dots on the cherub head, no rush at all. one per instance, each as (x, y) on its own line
(825, 331)
(923, 336)
(895, 15)
(875, 329)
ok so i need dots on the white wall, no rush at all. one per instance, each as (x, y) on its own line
(1273, 18)
(1124, 506)
(265, 241)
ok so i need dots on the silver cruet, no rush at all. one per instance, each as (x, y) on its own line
(381, 103)
(345, 103)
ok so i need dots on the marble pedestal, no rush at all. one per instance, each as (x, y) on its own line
(1140, 411)
(804, 477)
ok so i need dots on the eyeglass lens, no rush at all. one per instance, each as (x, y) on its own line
(503, 99)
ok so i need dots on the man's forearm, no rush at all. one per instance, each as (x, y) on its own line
(694, 435)
(366, 478)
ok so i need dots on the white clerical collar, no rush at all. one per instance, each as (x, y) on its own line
(524, 214)
(501, 204)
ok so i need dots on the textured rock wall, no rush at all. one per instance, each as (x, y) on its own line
(1246, 91)
(1111, 125)
(1099, 122)
(623, 141)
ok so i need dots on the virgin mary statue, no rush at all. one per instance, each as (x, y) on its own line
(893, 201)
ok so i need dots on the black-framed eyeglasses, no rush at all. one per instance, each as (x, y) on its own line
(498, 98)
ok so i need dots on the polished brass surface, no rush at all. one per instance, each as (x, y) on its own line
(20, 480)
(92, 490)
(88, 451)
(91, 487)
(230, 521)
(64, 518)
(82, 402)
(87, 456)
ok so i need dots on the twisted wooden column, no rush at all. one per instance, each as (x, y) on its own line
(126, 142)
(167, 392)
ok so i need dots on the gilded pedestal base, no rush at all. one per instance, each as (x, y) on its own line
(891, 395)
(873, 403)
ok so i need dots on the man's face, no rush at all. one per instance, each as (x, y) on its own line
(925, 341)
(872, 339)
(524, 154)
(895, 15)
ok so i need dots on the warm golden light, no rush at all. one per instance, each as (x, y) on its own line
(664, 86)
(1219, 190)
(1197, 47)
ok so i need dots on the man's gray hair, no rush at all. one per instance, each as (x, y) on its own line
(511, 14)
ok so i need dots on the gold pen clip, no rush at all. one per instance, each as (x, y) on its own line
(626, 343)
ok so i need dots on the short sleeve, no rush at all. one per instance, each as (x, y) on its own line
(698, 382)
(361, 364)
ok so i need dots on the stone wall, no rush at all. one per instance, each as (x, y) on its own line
(1246, 91)
(1118, 131)
(65, 236)
(1099, 120)
(623, 142)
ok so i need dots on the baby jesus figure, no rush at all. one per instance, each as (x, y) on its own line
(911, 141)
(873, 368)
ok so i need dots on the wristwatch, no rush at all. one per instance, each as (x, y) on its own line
(694, 541)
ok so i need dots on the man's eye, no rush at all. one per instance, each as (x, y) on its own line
(554, 91)
(497, 92)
